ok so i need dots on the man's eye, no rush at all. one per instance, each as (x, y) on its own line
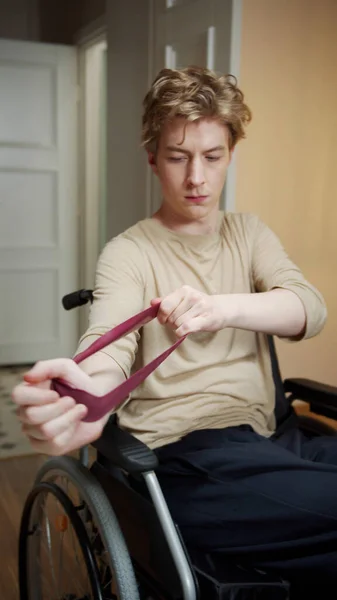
(213, 158)
(176, 158)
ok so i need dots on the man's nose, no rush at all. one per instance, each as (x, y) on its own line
(196, 173)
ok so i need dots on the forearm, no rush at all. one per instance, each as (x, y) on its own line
(104, 372)
(277, 312)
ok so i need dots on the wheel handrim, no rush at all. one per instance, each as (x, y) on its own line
(56, 558)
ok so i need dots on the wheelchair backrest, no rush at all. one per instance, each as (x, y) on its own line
(282, 405)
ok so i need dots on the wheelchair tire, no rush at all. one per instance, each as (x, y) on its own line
(29, 575)
(98, 505)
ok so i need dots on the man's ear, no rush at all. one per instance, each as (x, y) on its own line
(152, 162)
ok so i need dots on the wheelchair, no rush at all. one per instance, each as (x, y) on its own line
(97, 527)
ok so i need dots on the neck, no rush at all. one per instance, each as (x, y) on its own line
(198, 226)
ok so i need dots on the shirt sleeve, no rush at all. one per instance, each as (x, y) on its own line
(272, 268)
(118, 295)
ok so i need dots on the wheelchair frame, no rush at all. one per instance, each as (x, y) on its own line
(125, 469)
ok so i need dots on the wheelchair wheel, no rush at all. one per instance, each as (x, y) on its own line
(71, 546)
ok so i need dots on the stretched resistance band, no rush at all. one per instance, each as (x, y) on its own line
(98, 406)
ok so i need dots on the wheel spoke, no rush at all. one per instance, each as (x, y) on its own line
(49, 554)
(75, 542)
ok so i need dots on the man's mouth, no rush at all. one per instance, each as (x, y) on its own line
(196, 199)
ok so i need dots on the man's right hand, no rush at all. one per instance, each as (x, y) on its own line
(53, 424)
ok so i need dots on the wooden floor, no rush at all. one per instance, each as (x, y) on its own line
(16, 478)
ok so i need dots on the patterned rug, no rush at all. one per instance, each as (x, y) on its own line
(12, 441)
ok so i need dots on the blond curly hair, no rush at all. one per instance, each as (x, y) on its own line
(193, 93)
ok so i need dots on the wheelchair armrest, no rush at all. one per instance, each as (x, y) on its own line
(321, 397)
(124, 450)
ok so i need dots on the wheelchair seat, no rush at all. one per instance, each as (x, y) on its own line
(119, 468)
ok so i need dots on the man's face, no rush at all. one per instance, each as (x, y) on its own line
(191, 162)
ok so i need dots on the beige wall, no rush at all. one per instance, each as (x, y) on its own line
(287, 167)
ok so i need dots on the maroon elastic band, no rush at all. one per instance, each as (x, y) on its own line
(98, 406)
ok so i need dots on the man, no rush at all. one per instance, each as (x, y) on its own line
(208, 410)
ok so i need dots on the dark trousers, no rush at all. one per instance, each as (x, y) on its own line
(267, 503)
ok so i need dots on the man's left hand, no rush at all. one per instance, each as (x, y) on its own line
(188, 310)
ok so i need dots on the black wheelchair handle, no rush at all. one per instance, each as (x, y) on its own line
(78, 298)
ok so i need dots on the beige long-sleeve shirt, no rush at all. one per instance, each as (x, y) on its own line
(212, 380)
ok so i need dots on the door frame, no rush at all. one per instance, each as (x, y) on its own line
(90, 42)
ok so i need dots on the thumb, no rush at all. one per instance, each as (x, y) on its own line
(60, 368)
(48, 369)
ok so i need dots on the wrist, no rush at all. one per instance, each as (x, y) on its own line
(230, 308)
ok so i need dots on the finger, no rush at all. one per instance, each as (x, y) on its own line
(65, 440)
(155, 301)
(192, 325)
(56, 447)
(25, 395)
(168, 305)
(77, 436)
(53, 428)
(36, 415)
(184, 312)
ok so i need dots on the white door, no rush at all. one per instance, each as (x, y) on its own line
(197, 32)
(38, 200)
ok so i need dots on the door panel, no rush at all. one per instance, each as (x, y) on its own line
(38, 200)
(27, 99)
(25, 195)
